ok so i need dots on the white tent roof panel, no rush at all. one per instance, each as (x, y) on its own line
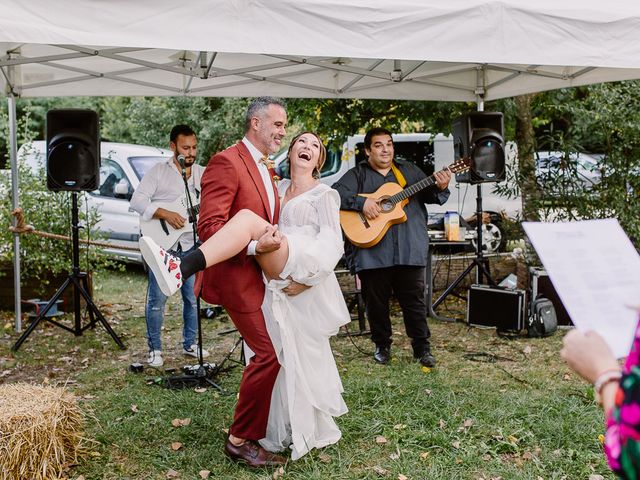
(408, 49)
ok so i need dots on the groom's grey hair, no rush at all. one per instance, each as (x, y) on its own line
(258, 106)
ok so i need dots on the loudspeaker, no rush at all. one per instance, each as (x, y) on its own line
(498, 307)
(73, 150)
(479, 136)
(541, 286)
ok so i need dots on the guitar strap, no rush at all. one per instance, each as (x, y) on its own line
(396, 171)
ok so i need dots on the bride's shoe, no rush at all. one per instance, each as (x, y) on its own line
(165, 267)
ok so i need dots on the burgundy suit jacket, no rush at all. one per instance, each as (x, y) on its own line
(231, 182)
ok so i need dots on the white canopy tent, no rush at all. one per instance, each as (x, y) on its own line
(460, 50)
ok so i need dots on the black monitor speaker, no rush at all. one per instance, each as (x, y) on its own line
(478, 136)
(73, 150)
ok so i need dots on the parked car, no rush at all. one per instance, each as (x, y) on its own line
(561, 172)
(121, 168)
(430, 153)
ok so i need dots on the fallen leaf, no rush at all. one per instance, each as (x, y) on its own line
(380, 471)
(134, 408)
(427, 391)
(380, 440)
(512, 439)
(594, 476)
(204, 474)
(323, 457)
(456, 444)
(200, 390)
(278, 473)
(180, 422)
(402, 477)
(566, 376)
(394, 456)
(527, 456)
(527, 350)
(468, 423)
(426, 369)
(80, 477)
(176, 446)
(172, 473)
(442, 423)
(399, 426)
(424, 455)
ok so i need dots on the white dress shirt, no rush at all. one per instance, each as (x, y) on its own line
(268, 185)
(164, 183)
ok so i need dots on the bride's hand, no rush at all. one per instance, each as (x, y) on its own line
(294, 288)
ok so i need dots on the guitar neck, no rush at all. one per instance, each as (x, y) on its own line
(413, 189)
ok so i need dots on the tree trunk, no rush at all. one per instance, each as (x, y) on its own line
(525, 140)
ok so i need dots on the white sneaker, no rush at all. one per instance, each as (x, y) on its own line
(155, 358)
(192, 351)
(165, 267)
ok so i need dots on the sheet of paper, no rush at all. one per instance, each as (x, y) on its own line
(595, 270)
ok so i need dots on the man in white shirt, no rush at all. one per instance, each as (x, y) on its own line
(155, 198)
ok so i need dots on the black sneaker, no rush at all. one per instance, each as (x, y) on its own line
(426, 359)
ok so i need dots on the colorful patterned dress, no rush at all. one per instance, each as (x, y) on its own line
(622, 440)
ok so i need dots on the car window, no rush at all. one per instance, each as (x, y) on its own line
(111, 174)
(420, 153)
(142, 164)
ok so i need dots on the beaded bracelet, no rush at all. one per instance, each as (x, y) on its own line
(606, 377)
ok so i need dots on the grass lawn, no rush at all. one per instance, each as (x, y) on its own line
(493, 408)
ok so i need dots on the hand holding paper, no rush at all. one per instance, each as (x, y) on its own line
(595, 269)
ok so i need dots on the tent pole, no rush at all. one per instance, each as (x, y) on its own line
(480, 76)
(13, 155)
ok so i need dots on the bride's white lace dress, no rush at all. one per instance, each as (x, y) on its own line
(308, 391)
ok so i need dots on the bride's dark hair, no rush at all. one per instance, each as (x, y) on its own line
(321, 158)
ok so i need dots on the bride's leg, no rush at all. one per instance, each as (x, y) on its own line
(234, 237)
(227, 242)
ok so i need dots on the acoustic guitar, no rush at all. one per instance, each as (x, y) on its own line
(392, 198)
(164, 234)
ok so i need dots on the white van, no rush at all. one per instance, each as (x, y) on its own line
(121, 168)
(431, 153)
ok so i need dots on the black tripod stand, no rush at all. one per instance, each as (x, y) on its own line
(80, 287)
(203, 374)
(480, 263)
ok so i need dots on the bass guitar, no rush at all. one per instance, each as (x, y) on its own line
(164, 234)
(392, 198)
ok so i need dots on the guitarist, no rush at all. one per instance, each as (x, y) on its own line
(397, 263)
(164, 183)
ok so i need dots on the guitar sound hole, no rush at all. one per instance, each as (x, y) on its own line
(386, 205)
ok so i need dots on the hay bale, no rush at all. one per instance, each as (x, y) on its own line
(40, 431)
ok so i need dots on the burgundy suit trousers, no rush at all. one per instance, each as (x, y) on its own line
(258, 378)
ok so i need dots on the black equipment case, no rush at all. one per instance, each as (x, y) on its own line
(503, 308)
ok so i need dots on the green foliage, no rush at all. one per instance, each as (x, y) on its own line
(50, 212)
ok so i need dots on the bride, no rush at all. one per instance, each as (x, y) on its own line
(307, 393)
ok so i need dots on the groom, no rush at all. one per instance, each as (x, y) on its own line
(235, 179)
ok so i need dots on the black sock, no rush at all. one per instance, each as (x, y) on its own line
(192, 263)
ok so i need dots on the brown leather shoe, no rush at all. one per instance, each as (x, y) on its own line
(253, 454)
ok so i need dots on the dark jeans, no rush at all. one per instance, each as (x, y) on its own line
(408, 285)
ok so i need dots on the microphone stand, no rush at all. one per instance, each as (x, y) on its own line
(198, 374)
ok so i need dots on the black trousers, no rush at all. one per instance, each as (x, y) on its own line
(408, 285)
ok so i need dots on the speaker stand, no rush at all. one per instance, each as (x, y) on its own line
(480, 263)
(78, 280)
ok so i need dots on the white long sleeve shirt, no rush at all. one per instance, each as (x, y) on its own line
(163, 183)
